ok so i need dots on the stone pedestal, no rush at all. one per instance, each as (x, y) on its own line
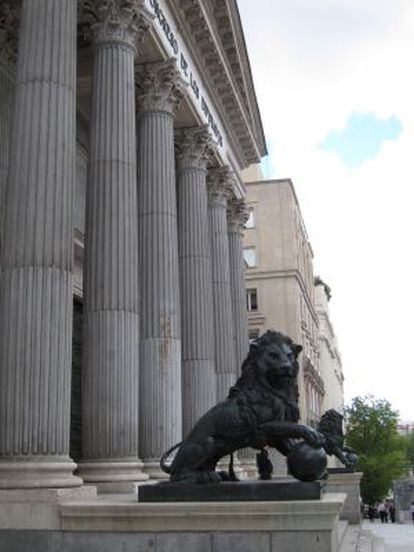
(37, 509)
(36, 288)
(348, 483)
(247, 491)
(159, 88)
(110, 377)
(287, 526)
(120, 524)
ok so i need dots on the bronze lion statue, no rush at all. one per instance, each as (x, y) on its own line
(261, 410)
(330, 425)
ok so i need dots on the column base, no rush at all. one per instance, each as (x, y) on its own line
(154, 471)
(113, 477)
(41, 474)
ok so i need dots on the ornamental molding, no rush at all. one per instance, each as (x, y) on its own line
(212, 29)
(238, 213)
(194, 147)
(113, 21)
(220, 182)
(160, 86)
(9, 26)
(310, 373)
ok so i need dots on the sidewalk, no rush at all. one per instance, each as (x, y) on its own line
(396, 537)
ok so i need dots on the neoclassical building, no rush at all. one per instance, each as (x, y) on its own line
(330, 361)
(280, 282)
(124, 127)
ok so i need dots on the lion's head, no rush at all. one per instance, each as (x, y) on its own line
(272, 362)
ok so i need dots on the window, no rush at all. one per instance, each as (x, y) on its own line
(249, 254)
(253, 335)
(251, 298)
(250, 221)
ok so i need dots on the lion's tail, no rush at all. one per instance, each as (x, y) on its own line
(164, 467)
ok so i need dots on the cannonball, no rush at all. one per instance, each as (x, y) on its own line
(352, 458)
(307, 463)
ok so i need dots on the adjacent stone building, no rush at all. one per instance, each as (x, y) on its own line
(280, 282)
(330, 362)
(124, 127)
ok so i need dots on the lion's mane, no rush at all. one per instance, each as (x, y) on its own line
(252, 373)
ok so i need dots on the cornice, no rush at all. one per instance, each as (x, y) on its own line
(200, 29)
(231, 33)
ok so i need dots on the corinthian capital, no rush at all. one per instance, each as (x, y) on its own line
(119, 21)
(194, 147)
(238, 213)
(220, 184)
(160, 86)
(8, 34)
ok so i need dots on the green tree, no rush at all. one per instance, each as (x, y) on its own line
(382, 452)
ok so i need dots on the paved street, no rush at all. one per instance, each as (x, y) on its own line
(397, 538)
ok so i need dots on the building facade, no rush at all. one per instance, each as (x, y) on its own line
(280, 283)
(330, 362)
(124, 127)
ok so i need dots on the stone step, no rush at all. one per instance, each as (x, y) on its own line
(365, 541)
(342, 529)
(378, 544)
(350, 539)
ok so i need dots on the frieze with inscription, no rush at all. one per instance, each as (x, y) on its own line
(185, 69)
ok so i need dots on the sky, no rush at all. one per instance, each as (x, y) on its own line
(335, 84)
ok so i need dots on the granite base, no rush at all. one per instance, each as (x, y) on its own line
(230, 491)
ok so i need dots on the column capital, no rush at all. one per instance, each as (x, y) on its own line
(116, 21)
(160, 86)
(194, 147)
(238, 213)
(220, 184)
(8, 34)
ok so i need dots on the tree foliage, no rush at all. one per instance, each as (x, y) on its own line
(372, 432)
(317, 281)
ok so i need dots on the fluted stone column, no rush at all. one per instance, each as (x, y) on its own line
(37, 254)
(220, 190)
(8, 50)
(110, 375)
(237, 215)
(198, 377)
(159, 89)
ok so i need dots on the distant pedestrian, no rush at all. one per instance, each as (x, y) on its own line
(412, 510)
(391, 510)
(383, 512)
(371, 513)
(264, 465)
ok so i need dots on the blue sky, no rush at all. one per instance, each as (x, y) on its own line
(336, 96)
(362, 138)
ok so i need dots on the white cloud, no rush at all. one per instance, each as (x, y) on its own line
(314, 63)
